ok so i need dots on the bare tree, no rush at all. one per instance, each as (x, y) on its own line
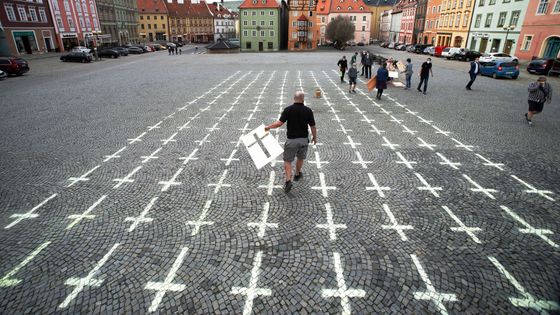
(339, 31)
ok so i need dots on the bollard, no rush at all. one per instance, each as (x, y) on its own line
(318, 93)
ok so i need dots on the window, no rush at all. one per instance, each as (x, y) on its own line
(294, 34)
(458, 20)
(271, 33)
(454, 4)
(262, 13)
(361, 8)
(245, 23)
(42, 15)
(155, 25)
(271, 23)
(488, 20)
(59, 22)
(262, 34)
(506, 1)
(162, 26)
(337, 9)
(478, 20)
(245, 13)
(364, 18)
(10, 12)
(349, 8)
(556, 7)
(254, 33)
(460, 3)
(294, 24)
(543, 7)
(66, 6)
(502, 19)
(262, 23)
(466, 19)
(245, 33)
(141, 17)
(149, 26)
(248, 45)
(147, 17)
(70, 23)
(161, 17)
(22, 14)
(363, 28)
(481, 3)
(491, 2)
(254, 13)
(78, 7)
(254, 23)
(527, 42)
(82, 24)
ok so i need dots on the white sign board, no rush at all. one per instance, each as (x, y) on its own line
(261, 156)
(394, 74)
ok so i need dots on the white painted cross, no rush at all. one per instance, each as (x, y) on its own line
(438, 130)
(126, 179)
(367, 120)
(114, 155)
(171, 182)
(533, 190)
(150, 128)
(167, 285)
(376, 186)
(213, 128)
(245, 128)
(82, 178)
(201, 142)
(197, 116)
(254, 110)
(334, 111)
(387, 112)
(424, 121)
(330, 226)
(169, 116)
(81, 283)
(393, 119)
(359, 111)
(389, 144)
(479, 188)
(529, 229)
(490, 163)
(323, 188)
(250, 117)
(205, 108)
(446, 161)
(342, 291)
(7, 280)
(344, 129)
(408, 111)
(377, 131)
(338, 119)
(190, 157)
(318, 160)
(407, 130)
(431, 294)
(361, 160)
(461, 145)
(425, 144)
(404, 161)
(270, 186)
(200, 222)
(462, 227)
(263, 224)
(151, 156)
(394, 224)
(137, 139)
(220, 183)
(427, 186)
(252, 291)
(223, 115)
(527, 300)
(79, 217)
(399, 104)
(28, 215)
(230, 158)
(170, 139)
(142, 217)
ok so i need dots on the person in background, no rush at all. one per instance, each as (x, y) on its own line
(353, 59)
(362, 62)
(352, 78)
(382, 77)
(539, 93)
(408, 73)
(425, 72)
(343, 65)
(369, 62)
(473, 72)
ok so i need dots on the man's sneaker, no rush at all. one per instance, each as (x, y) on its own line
(288, 186)
(419, 90)
(298, 177)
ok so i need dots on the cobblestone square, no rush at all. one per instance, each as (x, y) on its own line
(126, 189)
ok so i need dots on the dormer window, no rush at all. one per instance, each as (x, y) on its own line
(254, 1)
(263, 1)
(337, 8)
(349, 8)
(361, 8)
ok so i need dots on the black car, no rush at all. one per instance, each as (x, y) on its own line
(76, 57)
(419, 48)
(108, 53)
(122, 51)
(135, 50)
(540, 66)
(14, 65)
(467, 55)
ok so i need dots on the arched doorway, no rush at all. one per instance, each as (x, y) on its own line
(425, 39)
(458, 41)
(552, 48)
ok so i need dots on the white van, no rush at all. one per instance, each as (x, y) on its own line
(451, 52)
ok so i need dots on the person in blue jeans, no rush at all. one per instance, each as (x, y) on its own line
(408, 73)
(425, 72)
(382, 77)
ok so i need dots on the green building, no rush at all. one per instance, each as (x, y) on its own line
(259, 25)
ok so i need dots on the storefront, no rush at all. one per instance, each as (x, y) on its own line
(25, 41)
(69, 40)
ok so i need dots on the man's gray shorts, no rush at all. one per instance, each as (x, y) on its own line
(295, 147)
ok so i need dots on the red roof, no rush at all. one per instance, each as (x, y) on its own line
(177, 9)
(213, 7)
(323, 7)
(151, 6)
(258, 4)
(348, 6)
(199, 10)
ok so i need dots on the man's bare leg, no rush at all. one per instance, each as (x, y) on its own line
(299, 165)
(288, 170)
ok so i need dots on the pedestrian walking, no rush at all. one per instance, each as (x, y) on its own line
(369, 63)
(352, 78)
(382, 77)
(298, 116)
(180, 51)
(425, 72)
(353, 59)
(343, 65)
(362, 62)
(539, 93)
(473, 72)
(408, 73)
(169, 50)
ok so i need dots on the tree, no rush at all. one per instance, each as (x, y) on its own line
(339, 31)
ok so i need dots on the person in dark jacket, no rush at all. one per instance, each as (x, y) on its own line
(362, 62)
(473, 72)
(539, 93)
(408, 72)
(382, 77)
(343, 65)
(352, 77)
(369, 62)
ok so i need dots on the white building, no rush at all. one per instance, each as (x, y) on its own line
(395, 27)
(359, 15)
(224, 21)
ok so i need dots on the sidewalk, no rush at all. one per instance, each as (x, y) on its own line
(38, 56)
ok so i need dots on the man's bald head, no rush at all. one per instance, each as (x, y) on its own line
(299, 96)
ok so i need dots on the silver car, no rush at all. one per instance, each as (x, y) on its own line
(490, 57)
(3, 75)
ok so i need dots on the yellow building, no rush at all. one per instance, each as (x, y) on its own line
(153, 20)
(377, 7)
(454, 22)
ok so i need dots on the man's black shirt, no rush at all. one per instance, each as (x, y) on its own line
(298, 117)
(425, 71)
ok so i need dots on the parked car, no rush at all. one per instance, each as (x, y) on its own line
(540, 66)
(122, 51)
(158, 47)
(401, 47)
(451, 52)
(488, 57)
(500, 69)
(3, 75)
(430, 50)
(361, 44)
(108, 53)
(467, 55)
(76, 57)
(14, 65)
(391, 45)
(135, 50)
(438, 50)
(83, 49)
(419, 48)
(384, 44)
(555, 68)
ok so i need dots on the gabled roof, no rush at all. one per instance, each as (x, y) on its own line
(258, 4)
(199, 10)
(177, 9)
(219, 11)
(380, 3)
(151, 6)
(323, 6)
(348, 6)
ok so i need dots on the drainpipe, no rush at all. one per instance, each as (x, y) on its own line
(469, 30)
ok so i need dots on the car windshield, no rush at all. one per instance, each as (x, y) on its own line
(509, 64)
(446, 49)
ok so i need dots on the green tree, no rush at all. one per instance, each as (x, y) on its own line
(339, 31)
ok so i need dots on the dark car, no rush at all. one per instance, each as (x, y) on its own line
(122, 51)
(467, 55)
(540, 66)
(419, 48)
(135, 50)
(555, 68)
(76, 57)
(108, 53)
(13, 65)
(3, 75)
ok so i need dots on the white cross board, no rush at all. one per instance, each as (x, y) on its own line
(258, 155)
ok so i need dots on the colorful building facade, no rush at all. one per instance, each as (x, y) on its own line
(75, 21)
(178, 20)
(153, 24)
(260, 25)
(358, 13)
(540, 32)
(119, 21)
(322, 19)
(407, 22)
(455, 19)
(224, 21)
(377, 8)
(433, 11)
(201, 22)
(303, 29)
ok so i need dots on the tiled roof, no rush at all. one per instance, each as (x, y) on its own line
(257, 4)
(233, 5)
(213, 7)
(348, 6)
(151, 6)
(323, 6)
(380, 3)
(199, 10)
(177, 9)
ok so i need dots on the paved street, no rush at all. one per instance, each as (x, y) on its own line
(126, 189)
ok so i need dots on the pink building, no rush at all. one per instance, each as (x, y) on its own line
(540, 33)
(407, 21)
(75, 22)
(358, 13)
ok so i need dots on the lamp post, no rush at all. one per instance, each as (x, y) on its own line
(507, 29)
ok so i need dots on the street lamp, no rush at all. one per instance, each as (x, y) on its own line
(507, 29)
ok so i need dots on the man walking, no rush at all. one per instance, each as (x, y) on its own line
(425, 72)
(473, 72)
(343, 65)
(353, 59)
(539, 92)
(363, 62)
(352, 78)
(298, 117)
(369, 62)
(408, 73)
